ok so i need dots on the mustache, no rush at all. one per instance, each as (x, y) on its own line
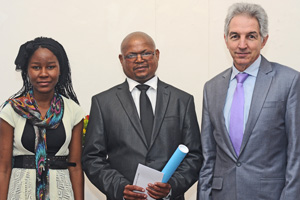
(140, 66)
(242, 52)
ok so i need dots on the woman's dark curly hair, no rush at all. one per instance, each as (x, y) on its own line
(64, 84)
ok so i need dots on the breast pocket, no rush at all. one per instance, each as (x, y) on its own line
(171, 129)
(272, 110)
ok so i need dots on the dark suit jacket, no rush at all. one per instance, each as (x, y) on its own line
(268, 166)
(115, 142)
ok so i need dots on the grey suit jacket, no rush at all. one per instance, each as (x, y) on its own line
(115, 142)
(268, 166)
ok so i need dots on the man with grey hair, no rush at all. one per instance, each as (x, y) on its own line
(251, 119)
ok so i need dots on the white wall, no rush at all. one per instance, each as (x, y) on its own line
(189, 34)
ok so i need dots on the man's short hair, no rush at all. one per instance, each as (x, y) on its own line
(252, 10)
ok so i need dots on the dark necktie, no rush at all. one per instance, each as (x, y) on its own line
(236, 125)
(146, 112)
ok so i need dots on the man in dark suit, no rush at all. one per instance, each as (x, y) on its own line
(117, 141)
(251, 119)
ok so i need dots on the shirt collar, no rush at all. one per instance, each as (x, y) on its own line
(252, 70)
(152, 83)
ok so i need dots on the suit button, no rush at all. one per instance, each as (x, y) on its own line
(238, 164)
(149, 161)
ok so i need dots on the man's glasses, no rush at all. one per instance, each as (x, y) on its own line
(145, 56)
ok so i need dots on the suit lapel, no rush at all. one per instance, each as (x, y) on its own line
(262, 86)
(162, 101)
(128, 105)
(220, 103)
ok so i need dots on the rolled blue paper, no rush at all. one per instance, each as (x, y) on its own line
(174, 162)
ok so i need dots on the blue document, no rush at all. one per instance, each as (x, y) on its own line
(174, 162)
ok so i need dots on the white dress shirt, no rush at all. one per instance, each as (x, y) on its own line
(151, 92)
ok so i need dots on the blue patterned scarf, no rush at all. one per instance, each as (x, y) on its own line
(27, 107)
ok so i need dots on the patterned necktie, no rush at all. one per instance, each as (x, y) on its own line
(236, 125)
(146, 112)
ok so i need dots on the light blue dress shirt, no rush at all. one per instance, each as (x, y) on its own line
(249, 84)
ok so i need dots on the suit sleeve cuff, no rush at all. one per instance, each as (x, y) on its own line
(168, 196)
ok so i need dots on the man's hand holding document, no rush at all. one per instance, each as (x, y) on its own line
(145, 175)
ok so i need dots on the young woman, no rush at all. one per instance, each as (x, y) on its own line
(41, 128)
